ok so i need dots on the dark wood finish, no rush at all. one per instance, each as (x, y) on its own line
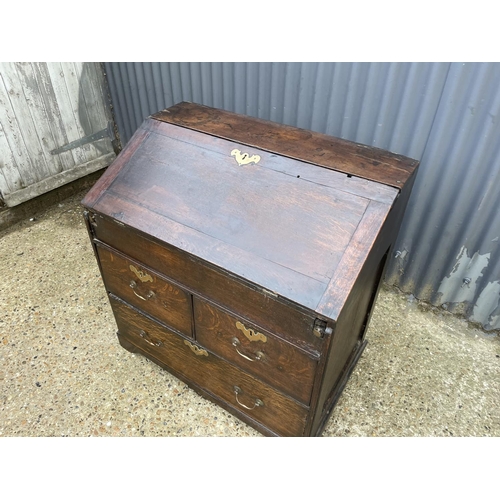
(251, 302)
(289, 247)
(273, 360)
(349, 333)
(241, 225)
(200, 390)
(353, 314)
(338, 154)
(112, 171)
(339, 387)
(146, 290)
(342, 281)
(209, 371)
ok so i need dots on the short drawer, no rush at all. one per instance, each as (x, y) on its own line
(146, 290)
(201, 367)
(269, 358)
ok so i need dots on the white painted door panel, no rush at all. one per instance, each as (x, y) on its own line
(43, 107)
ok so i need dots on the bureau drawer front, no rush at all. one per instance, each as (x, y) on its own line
(207, 371)
(146, 290)
(268, 358)
(293, 323)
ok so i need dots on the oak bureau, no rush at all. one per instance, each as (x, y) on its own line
(245, 256)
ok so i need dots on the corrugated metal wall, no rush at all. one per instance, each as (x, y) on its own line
(446, 115)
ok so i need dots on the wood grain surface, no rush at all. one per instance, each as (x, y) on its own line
(284, 232)
(344, 156)
(278, 412)
(272, 360)
(290, 321)
(262, 248)
(153, 294)
(341, 284)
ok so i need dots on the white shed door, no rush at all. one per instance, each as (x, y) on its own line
(55, 126)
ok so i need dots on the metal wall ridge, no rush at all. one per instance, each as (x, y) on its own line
(444, 114)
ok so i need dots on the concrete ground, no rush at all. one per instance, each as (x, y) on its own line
(63, 373)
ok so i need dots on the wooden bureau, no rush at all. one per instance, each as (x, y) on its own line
(244, 257)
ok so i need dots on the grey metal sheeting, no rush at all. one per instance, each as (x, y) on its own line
(445, 114)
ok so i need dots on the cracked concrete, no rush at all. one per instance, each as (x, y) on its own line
(63, 373)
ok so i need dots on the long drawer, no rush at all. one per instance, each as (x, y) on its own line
(206, 370)
(269, 358)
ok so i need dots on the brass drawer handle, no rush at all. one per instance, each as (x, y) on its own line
(150, 294)
(258, 402)
(145, 336)
(257, 356)
(197, 350)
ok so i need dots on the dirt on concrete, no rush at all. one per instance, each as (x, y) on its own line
(424, 372)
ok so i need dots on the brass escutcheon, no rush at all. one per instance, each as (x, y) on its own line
(197, 350)
(244, 158)
(141, 274)
(250, 334)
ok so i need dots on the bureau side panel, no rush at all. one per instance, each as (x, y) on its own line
(348, 337)
(354, 316)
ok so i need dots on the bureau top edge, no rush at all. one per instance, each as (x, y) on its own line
(326, 151)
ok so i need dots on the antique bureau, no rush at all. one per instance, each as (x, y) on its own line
(244, 257)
